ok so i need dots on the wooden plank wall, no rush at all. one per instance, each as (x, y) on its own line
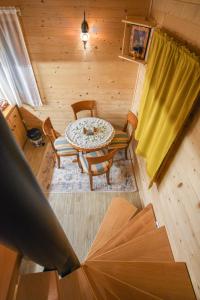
(177, 199)
(65, 72)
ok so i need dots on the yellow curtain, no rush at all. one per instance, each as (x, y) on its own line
(172, 84)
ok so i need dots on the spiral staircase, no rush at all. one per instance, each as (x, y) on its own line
(130, 259)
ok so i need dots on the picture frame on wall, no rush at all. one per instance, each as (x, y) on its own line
(139, 41)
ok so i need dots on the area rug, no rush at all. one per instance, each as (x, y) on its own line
(69, 178)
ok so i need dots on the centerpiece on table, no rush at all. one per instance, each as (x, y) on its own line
(90, 131)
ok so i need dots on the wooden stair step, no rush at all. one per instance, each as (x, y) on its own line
(142, 223)
(40, 286)
(98, 286)
(76, 286)
(151, 246)
(118, 213)
(166, 280)
(107, 287)
(9, 272)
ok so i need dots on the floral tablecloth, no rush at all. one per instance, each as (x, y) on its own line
(89, 133)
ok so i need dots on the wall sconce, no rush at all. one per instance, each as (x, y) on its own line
(84, 31)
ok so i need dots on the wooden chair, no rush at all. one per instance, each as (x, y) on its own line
(97, 163)
(59, 143)
(121, 138)
(84, 105)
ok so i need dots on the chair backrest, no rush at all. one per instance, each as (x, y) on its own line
(97, 160)
(84, 105)
(133, 121)
(49, 131)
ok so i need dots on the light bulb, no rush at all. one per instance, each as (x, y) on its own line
(84, 36)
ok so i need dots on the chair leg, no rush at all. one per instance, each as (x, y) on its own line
(108, 177)
(54, 158)
(126, 153)
(79, 163)
(58, 161)
(91, 182)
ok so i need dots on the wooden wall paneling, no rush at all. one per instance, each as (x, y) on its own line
(180, 18)
(176, 199)
(64, 71)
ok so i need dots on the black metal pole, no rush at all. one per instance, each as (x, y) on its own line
(27, 222)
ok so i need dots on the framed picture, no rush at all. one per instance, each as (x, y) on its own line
(139, 41)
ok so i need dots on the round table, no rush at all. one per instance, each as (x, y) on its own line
(88, 134)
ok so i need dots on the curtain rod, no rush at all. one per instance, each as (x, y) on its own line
(17, 9)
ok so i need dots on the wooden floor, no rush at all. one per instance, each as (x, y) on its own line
(80, 215)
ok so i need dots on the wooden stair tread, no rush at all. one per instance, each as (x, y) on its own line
(108, 287)
(151, 246)
(40, 286)
(97, 286)
(118, 213)
(76, 286)
(169, 280)
(142, 223)
(9, 270)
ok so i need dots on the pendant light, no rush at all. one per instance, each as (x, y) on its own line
(84, 32)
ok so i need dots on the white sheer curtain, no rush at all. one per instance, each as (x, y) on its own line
(17, 81)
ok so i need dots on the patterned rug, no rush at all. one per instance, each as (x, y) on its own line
(69, 178)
